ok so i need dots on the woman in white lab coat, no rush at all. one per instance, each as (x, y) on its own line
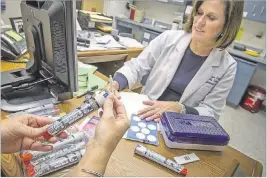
(188, 71)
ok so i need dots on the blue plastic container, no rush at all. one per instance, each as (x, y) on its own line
(192, 129)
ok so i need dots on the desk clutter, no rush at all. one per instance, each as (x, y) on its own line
(65, 152)
(182, 131)
(190, 131)
(87, 40)
(93, 33)
(87, 81)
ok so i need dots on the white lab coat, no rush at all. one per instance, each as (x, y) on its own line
(157, 64)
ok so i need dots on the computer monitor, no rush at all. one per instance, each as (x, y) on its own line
(52, 26)
(50, 32)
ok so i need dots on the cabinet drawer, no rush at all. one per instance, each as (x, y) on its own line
(245, 67)
(124, 24)
(236, 94)
(176, 2)
(243, 79)
(150, 35)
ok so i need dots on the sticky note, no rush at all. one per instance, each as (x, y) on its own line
(189, 158)
(146, 35)
(14, 35)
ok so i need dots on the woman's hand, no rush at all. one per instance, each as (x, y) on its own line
(116, 87)
(113, 123)
(109, 131)
(156, 108)
(25, 133)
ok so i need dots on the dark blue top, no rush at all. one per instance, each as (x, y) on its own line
(187, 69)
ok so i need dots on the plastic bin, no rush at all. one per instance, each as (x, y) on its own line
(253, 98)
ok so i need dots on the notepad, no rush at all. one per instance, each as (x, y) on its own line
(133, 102)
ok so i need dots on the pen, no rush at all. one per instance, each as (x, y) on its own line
(153, 156)
(111, 84)
(90, 91)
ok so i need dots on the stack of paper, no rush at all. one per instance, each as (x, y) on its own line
(104, 27)
(102, 43)
(133, 102)
(130, 43)
(99, 18)
(87, 79)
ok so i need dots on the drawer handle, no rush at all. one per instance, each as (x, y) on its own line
(253, 8)
(262, 10)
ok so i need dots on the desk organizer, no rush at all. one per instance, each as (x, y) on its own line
(196, 132)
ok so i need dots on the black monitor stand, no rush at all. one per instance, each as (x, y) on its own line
(21, 88)
(19, 100)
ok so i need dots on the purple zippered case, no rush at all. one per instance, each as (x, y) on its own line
(193, 129)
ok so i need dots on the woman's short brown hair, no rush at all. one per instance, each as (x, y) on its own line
(233, 18)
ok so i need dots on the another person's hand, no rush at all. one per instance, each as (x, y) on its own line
(109, 131)
(156, 108)
(25, 133)
(113, 123)
(115, 88)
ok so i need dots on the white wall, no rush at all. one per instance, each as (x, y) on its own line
(159, 10)
(111, 7)
(12, 10)
(251, 29)
(116, 7)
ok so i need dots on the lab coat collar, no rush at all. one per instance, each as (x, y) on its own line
(183, 44)
(204, 73)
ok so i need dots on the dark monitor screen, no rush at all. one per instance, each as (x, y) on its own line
(53, 24)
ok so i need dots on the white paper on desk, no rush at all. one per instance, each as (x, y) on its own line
(112, 44)
(133, 102)
(103, 39)
(129, 42)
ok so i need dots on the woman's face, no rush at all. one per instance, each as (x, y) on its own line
(208, 21)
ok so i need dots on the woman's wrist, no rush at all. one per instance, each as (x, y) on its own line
(180, 108)
(95, 159)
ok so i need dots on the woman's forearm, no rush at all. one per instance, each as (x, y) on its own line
(94, 159)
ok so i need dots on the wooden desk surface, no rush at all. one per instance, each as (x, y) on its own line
(109, 52)
(124, 162)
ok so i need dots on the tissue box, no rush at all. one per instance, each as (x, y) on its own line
(187, 131)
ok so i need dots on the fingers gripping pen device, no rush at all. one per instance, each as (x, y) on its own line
(88, 106)
(143, 151)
